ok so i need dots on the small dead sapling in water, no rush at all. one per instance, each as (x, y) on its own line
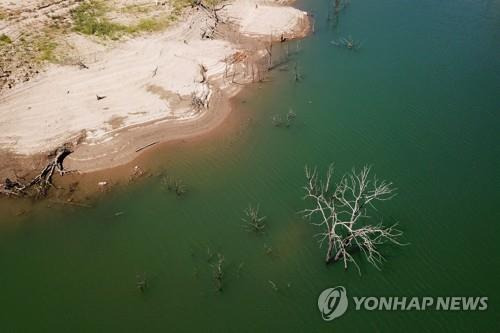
(253, 221)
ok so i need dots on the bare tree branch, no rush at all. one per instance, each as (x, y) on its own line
(341, 210)
(252, 220)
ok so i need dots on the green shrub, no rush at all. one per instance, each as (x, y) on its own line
(4, 39)
(45, 47)
(150, 24)
(89, 19)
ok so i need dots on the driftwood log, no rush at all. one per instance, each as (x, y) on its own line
(40, 185)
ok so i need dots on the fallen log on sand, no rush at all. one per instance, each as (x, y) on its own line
(146, 146)
(38, 186)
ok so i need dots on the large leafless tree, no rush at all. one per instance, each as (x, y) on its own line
(341, 209)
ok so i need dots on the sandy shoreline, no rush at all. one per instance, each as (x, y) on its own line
(150, 84)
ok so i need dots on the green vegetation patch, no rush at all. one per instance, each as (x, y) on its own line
(4, 39)
(179, 5)
(151, 24)
(138, 9)
(45, 47)
(90, 19)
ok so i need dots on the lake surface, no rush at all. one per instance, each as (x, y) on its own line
(419, 101)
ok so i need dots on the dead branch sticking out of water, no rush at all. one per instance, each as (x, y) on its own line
(340, 5)
(218, 272)
(136, 173)
(341, 210)
(279, 121)
(347, 43)
(334, 8)
(210, 255)
(268, 250)
(253, 221)
(284, 56)
(141, 282)
(273, 285)
(269, 50)
(175, 185)
(240, 268)
(296, 72)
(39, 186)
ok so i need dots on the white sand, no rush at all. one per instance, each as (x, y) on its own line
(61, 103)
(265, 18)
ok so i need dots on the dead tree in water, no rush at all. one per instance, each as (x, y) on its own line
(218, 272)
(289, 118)
(347, 43)
(340, 5)
(40, 185)
(273, 285)
(253, 221)
(142, 282)
(342, 209)
(269, 50)
(296, 71)
(334, 8)
(175, 185)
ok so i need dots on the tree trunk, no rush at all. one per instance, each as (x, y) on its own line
(329, 253)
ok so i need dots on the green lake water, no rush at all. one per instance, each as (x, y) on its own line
(419, 101)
